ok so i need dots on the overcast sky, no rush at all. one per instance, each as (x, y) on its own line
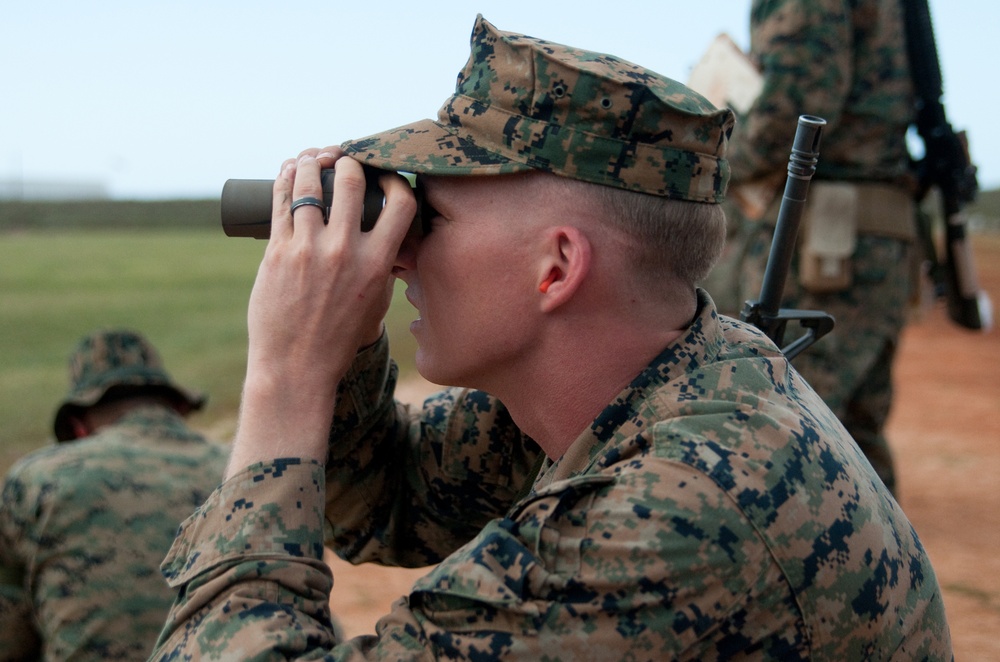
(169, 99)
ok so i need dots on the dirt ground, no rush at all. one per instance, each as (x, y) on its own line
(945, 431)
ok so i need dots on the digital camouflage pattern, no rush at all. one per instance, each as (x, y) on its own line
(84, 527)
(715, 509)
(842, 61)
(851, 367)
(845, 62)
(523, 103)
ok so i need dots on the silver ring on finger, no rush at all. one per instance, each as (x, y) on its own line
(309, 201)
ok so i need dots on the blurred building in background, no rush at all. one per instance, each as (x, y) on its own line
(27, 189)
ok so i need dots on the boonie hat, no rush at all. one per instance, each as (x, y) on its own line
(523, 104)
(113, 363)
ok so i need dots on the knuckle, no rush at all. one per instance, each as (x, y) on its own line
(351, 182)
(404, 204)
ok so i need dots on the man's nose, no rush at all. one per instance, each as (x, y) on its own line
(406, 257)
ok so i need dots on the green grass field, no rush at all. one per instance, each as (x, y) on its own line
(186, 289)
(164, 268)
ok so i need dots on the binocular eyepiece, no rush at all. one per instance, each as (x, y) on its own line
(246, 203)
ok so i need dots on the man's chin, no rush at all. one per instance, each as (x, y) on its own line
(426, 368)
(437, 372)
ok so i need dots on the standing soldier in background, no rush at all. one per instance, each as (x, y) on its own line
(85, 524)
(847, 63)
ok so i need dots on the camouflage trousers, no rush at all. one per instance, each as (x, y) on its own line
(851, 368)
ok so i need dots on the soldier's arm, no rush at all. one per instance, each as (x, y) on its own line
(406, 485)
(19, 639)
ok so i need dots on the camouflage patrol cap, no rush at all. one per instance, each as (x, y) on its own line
(114, 363)
(526, 104)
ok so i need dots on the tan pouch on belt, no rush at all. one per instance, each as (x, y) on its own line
(829, 236)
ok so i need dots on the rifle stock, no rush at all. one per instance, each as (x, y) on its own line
(765, 312)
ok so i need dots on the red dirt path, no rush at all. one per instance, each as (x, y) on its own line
(945, 431)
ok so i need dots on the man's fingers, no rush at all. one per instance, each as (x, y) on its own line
(398, 213)
(281, 218)
(306, 208)
(329, 155)
(348, 198)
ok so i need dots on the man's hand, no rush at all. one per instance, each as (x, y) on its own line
(321, 293)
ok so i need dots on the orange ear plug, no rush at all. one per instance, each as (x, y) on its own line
(544, 287)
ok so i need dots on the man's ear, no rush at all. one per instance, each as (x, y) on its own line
(564, 265)
(80, 427)
(182, 407)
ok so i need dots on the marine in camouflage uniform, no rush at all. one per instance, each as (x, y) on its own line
(85, 524)
(844, 62)
(715, 508)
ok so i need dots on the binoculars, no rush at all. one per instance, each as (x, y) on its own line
(246, 203)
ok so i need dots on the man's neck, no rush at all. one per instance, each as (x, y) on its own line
(569, 385)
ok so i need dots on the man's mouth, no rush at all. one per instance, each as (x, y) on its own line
(411, 298)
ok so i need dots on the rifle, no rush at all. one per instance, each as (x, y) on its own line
(946, 166)
(764, 312)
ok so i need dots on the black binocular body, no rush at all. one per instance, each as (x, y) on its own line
(246, 203)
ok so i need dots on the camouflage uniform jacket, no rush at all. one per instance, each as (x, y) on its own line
(843, 61)
(715, 509)
(84, 526)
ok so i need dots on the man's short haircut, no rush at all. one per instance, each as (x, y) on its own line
(671, 238)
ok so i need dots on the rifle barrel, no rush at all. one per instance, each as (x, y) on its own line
(801, 167)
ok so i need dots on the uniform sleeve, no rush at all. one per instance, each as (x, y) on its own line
(19, 639)
(804, 52)
(595, 567)
(408, 485)
(248, 568)
(251, 581)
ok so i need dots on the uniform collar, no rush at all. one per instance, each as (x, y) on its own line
(626, 415)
